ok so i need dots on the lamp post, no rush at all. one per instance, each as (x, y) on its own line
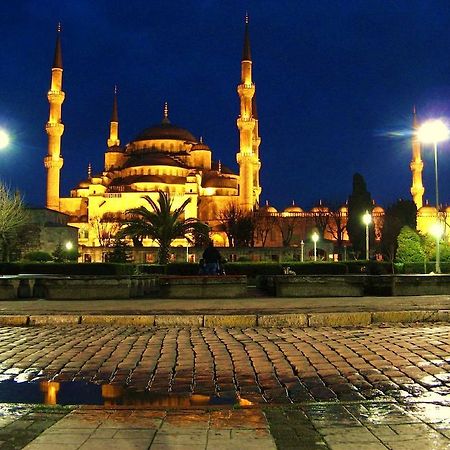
(367, 220)
(432, 132)
(315, 238)
(302, 251)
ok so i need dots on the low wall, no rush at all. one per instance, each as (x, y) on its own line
(77, 287)
(357, 285)
(223, 286)
(318, 285)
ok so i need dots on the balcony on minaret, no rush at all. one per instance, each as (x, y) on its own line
(56, 96)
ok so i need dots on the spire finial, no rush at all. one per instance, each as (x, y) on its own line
(89, 171)
(57, 60)
(220, 166)
(267, 202)
(293, 202)
(246, 53)
(115, 110)
(201, 139)
(166, 113)
(414, 110)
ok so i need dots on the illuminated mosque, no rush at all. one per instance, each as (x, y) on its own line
(169, 158)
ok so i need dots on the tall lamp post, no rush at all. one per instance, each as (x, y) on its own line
(367, 220)
(315, 238)
(432, 132)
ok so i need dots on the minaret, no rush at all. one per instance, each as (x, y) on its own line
(255, 146)
(54, 128)
(113, 139)
(416, 166)
(246, 123)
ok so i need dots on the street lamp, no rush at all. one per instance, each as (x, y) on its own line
(315, 238)
(367, 220)
(432, 132)
(4, 139)
(69, 245)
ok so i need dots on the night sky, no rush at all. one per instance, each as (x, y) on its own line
(336, 82)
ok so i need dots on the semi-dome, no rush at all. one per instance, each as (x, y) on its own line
(165, 130)
(378, 210)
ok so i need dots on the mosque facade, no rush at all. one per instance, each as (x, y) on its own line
(166, 157)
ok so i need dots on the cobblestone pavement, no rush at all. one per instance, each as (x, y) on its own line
(260, 365)
(364, 388)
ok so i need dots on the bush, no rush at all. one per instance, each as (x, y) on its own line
(38, 256)
(67, 268)
(369, 267)
(182, 268)
(159, 269)
(317, 268)
(411, 268)
(253, 269)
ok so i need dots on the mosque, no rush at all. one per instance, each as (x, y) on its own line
(170, 158)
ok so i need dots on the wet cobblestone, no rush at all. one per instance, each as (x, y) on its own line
(278, 365)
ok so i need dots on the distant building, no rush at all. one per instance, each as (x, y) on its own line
(51, 228)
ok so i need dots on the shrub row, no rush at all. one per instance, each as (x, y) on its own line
(67, 268)
(421, 267)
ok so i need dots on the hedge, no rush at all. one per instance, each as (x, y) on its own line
(430, 266)
(67, 268)
(152, 269)
(317, 268)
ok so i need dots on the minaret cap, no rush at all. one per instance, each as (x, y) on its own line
(115, 109)
(166, 113)
(246, 53)
(57, 60)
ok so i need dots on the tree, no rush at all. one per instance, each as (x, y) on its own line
(161, 224)
(120, 252)
(238, 225)
(336, 227)
(359, 202)
(106, 229)
(13, 218)
(410, 246)
(286, 226)
(263, 223)
(399, 214)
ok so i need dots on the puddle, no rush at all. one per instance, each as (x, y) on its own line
(82, 393)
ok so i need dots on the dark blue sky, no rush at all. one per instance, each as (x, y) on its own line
(333, 79)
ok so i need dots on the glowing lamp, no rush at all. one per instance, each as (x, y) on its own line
(437, 230)
(69, 245)
(4, 139)
(433, 131)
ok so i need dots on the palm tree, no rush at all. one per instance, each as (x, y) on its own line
(162, 224)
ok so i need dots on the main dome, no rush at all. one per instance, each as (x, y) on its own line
(165, 130)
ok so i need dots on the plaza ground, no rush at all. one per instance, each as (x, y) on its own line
(375, 387)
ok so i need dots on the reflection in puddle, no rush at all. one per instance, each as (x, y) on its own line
(81, 393)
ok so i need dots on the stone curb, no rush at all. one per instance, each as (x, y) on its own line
(302, 320)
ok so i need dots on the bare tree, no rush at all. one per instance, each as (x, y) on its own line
(13, 217)
(286, 225)
(337, 226)
(105, 230)
(238, 225)
(264, 223)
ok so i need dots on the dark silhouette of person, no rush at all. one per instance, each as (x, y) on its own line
(211, 257)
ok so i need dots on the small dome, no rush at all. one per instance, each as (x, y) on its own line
(268, 208)
(293, 209)
(378, 210)
(343, 209)
(200, 146)
(427, 210)
(83, 184)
